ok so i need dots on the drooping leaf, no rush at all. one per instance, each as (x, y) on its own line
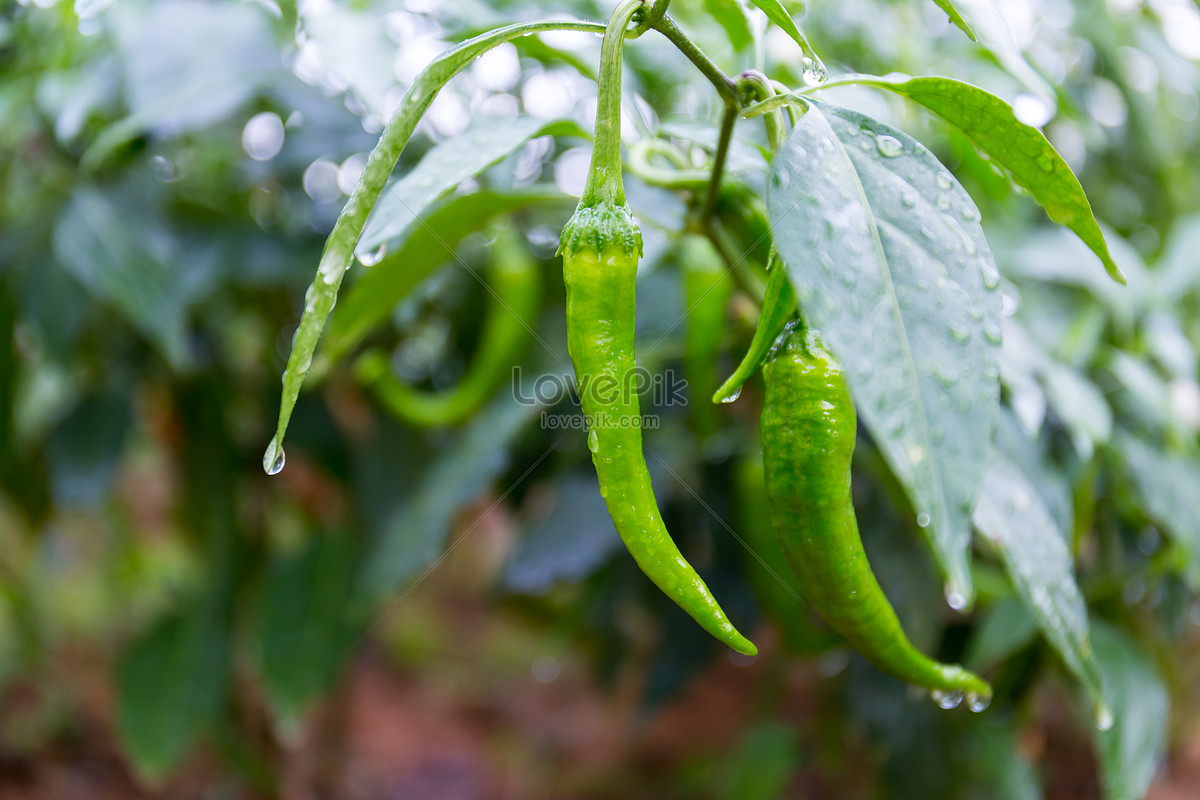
(303, 623)
(1011, 516)
(1133, 747)
(1022, 150)
(779, 15)
(339, 247)
(405, 201)
(169, 687)
(889, 262)
(956, 17)
(421, 249)
(415, 535)
(1168, 486)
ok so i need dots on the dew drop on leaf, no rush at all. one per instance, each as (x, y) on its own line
(373, 257)
(593, 441)
(947, 699)
(734, 395)
(814, 72)
(889, 146)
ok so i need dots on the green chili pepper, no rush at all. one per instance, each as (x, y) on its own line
(601, 246)
(706, 289)
(779, 305)
(808, 435)
(515, 283)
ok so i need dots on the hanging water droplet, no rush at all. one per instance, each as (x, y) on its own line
(593, 441)
(734, 395)
(815, 72)
(923, 519)
(956, 599)
(947, 699)
(889, 146)
(274, 458)
(1104, 718)
(978, 702)
(373, 257)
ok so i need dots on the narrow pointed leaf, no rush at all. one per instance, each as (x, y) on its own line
(339, 247)
(1022, 150)
(889, 262)
(956, 17)
(1012, 516)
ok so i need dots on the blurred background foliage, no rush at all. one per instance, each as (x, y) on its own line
(174, 623)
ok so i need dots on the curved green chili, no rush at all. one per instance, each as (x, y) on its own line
(808, 436)
(515, 283)
(707, 287)
(601, 246)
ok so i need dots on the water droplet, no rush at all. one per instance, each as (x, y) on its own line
(1045, 161)
(944, 180)
(991, 278)
(978, 702)
(992, 334)
(947, 699)
(274, 458)
(373, 257)
(970, 214)
(960, 333)
(943, 202)
(923, 519)
(908, 199)
(815, 72)
(593, 441)
(889, 146)
(734, 395)
(956, 599)
(1104, 718)
(916, 454)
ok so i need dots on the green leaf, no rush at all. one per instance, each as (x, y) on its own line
(1006, 628)
(169, 687)
(889, 262)
(1131, 750)
(416, 255)
(443, 168)
(1168, 485)
(1024, 151)
(956, 17)
(779, 15)
(339, 247)
(304, 631)
(1013, 518)
(414, 536)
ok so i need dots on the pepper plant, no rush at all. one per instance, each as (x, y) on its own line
(914, 250)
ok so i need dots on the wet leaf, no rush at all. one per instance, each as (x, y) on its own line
(1012, 517)
(889, 262)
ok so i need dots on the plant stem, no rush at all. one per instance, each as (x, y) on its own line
(604, 183)
(724, 85)
(719, 157)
